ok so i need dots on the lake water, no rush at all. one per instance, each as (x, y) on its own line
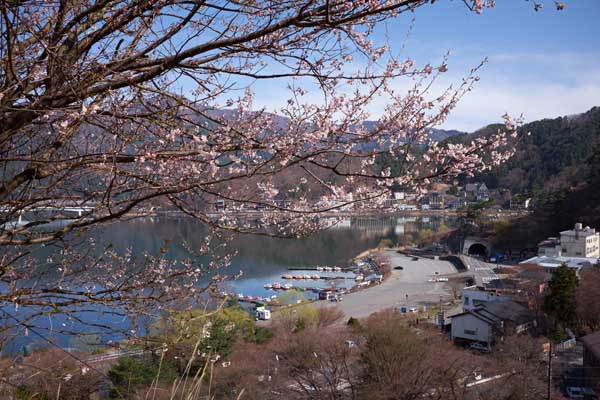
(260, 259)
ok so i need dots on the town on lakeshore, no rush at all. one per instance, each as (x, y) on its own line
(307, 199)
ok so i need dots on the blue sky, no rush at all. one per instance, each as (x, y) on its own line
(541, 64)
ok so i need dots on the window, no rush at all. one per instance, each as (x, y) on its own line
(469, 332)
(466, 300)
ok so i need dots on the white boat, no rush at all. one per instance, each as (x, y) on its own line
(268, 286)
(287, 286)
(315, 276)
(306, 276)
(319, 268)
(287, 276)
(276, 285)
(337, 269)
(328, 269)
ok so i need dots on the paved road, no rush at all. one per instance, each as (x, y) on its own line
(408, 287)
(481, 270)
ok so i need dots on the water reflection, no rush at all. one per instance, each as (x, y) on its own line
(260, 259)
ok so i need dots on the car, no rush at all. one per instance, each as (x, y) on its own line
(432, 280)
(399, 267)
(481, 347)
(580, 393)
(415, 258)
(442, 279)
(413, 310)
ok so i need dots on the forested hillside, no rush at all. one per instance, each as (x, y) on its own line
(557, 210)
(553, 155)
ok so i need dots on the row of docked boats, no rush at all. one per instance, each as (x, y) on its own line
(300, 277)
(278, 286)
(261, 299)
(328, 269)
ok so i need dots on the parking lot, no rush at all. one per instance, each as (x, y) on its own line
(406, 287)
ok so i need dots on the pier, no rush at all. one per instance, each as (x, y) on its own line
(321, 269)
(326, 278)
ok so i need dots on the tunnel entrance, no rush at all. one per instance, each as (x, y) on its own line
(478, 249)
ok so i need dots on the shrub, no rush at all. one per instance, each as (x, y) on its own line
(131, 373)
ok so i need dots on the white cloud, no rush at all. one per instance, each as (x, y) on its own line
(489, 101)
(536, 85)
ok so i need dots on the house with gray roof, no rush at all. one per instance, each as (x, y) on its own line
(491, 320)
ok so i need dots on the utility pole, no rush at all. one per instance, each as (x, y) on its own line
(549, 371)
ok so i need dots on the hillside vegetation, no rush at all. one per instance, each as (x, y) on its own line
(553, 155)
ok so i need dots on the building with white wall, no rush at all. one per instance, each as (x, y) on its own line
(493, 319)
(477, 296)
(580, 242)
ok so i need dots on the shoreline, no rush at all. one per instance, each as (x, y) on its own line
(408, 287)
(503, 214)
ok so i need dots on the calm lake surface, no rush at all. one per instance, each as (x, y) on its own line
(260, 259)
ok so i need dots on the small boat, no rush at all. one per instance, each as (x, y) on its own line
(287, 276)
(306, 276)
(249, 298)
(337, 269)
(315, 276)
(359, 278)
(328, 269)
(287, 286)
(240, 296)
(268, 286)
(319, 268)
(298, 277)
(276, 285)
(274, 297)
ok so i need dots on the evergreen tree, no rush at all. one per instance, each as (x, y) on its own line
(560, 300)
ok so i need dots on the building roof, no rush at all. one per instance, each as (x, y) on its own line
(508, 311)
(495, 312)
(579, 234)
(503, 283)
(534, 273)
(550, 242)
(476, 187)
(592, 343)
(587, 231)
(555, 262)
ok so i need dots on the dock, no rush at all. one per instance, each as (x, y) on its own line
(325, 278)
(320, 269)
